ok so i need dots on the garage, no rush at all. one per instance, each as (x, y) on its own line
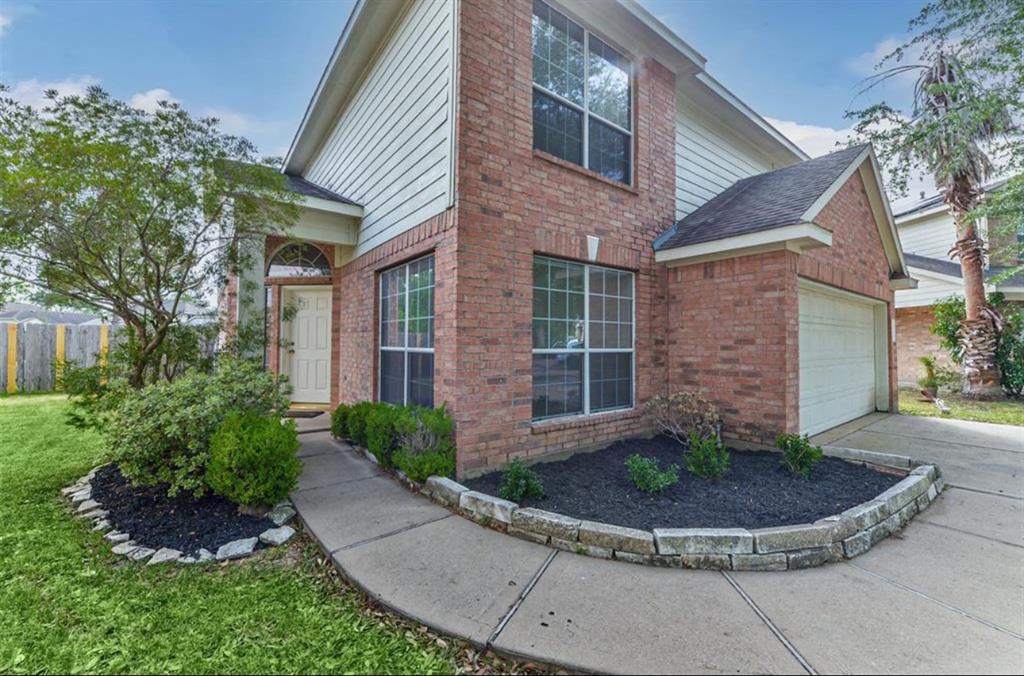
(843, 360)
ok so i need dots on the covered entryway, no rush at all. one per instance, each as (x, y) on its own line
(306, 342)
(843, 357)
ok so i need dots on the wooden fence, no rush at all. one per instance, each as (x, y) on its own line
(31, 355)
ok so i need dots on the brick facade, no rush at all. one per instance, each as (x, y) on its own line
(515, 202)
(729, 328)
(914, 340)
(735, 330)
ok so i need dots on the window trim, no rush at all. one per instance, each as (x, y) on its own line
(406, 349)
(587, 350)
(584, 109)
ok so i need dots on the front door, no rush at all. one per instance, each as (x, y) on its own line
(306, 354)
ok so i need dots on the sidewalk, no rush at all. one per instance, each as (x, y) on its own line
(947, 597)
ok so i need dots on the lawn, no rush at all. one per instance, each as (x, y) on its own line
(67, 605)
(1008, 412)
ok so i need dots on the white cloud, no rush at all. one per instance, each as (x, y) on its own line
(5, 21)
(149, 100)
(812, 139)
(864, 64)
(816, 141)
(33, 92)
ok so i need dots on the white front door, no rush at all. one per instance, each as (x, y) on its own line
(838, 361)
(306, 355)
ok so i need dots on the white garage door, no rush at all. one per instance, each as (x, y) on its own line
(837, 360)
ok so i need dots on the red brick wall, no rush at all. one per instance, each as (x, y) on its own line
(514, 203)
(733, 337)
(734, 324)
(856, 260)
(354, 355)
(914, 340)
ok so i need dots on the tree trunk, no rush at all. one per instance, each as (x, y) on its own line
(979, 335)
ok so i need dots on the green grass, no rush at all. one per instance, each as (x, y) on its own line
(1007, 412)
(67, 605)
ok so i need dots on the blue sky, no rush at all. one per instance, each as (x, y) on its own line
(254, 63)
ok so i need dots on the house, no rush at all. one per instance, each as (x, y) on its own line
(544, 213)
(26, 313)
(927, 232)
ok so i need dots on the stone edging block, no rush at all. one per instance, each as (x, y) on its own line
(833, 538)
(79, 495)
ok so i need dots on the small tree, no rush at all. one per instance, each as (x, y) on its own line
(967, 102)
(130, 214)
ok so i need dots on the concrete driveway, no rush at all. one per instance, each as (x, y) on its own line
(944, 596)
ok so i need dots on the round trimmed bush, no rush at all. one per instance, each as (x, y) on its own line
(252, 459)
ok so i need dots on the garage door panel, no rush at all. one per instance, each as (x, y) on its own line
(837, 360)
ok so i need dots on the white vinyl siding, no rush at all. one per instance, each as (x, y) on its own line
(391, 147)
(709, 159)
(929, 289)
(932, 237)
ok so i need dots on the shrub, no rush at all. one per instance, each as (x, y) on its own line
(422, 466)
(426, 445)
(708, 457)
(161, 433)
(930, 381)
(381, 438)
(94, 393)
(339, 421)
(646, 474)
(682, 414)
(252, 459)
(356, 422)
(798, 455)
(520, 483)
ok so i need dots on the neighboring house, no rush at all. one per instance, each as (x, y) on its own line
(542, 214)
(25, 313)
(927, 233)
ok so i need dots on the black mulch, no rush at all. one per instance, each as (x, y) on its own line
(183, 522)
(756, 493)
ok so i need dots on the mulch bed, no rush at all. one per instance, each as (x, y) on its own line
(757, 492)
(182, 522)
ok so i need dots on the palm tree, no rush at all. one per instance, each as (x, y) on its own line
(953, 152)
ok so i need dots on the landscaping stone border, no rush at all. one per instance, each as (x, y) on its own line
(834, 538)
(85, 507)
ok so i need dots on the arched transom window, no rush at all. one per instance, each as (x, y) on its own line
(299, 260)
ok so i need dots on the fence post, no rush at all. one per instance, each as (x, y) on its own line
(104, 348)
(12, 358)
(58, 376)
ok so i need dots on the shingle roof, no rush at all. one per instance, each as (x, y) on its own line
(952, 269)
(19, 312)
(299, 185)
(762, 202)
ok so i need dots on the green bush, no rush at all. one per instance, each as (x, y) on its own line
(708, 457)
(520, 483)
(647, 475)
(422, 466)
(798, 455)
(381, 437)
(94, 393)
(930, 380)
(949, 312)
(252, 459)
(339, 421)
(161, 434)
(356, 422)
(426, 444)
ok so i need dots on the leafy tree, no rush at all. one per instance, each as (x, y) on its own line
(130, 214)
(963, 128)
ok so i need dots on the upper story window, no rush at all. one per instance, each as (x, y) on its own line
(299, 260)
(581, 96)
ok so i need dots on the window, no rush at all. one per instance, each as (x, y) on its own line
(581, 96)
(299, 260)
(407, 333)
(582, 338)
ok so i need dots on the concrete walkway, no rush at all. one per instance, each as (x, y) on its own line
(945, 597)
